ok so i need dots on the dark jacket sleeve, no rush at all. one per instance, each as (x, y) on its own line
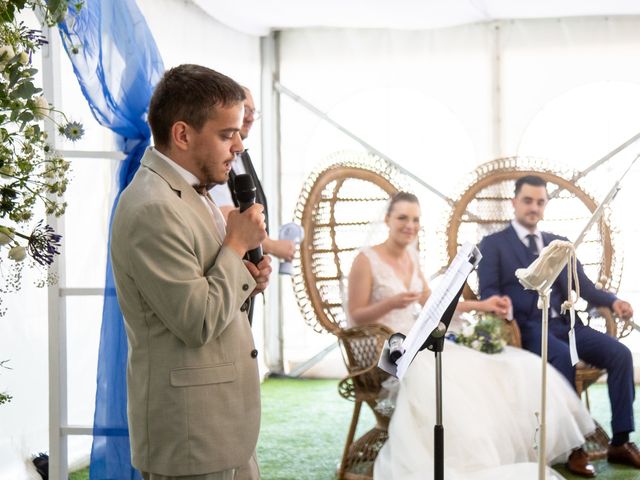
(592, 294)
(489, 267)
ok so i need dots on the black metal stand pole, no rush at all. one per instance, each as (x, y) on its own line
(436, 346)
(435, 343)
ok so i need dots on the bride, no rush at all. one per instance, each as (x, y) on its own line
(489, 401)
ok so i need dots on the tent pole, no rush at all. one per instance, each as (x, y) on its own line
(271, 174)
(57, 329)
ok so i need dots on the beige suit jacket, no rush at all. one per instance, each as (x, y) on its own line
(192, 375)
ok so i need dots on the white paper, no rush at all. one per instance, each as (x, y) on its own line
(437, 304)
(573, 350)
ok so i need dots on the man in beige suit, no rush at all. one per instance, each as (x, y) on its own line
(192, 376)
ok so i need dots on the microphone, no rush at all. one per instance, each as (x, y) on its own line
(245, 191)
(395, 346)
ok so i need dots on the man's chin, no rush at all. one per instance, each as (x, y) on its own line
(219, 180)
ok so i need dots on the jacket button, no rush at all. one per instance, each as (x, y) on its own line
(245, 287)
(254, 353)
(243, 308)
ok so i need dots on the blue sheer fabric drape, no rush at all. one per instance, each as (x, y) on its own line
(117, 65)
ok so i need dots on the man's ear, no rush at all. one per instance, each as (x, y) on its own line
(180, 135)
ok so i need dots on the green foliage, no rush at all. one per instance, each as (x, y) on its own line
(32, 174)
(4, 397)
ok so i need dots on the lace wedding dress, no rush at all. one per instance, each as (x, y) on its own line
(489, 406)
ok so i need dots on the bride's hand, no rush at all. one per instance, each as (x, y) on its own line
(498, 305)
(403, 300)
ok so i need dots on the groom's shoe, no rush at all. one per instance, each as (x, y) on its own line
(579, 464)
(627, 454)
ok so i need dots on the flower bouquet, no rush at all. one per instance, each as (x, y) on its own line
(485, 335)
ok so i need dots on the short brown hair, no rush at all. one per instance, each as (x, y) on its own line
(402, 197)
(189, 93)
(533, 180)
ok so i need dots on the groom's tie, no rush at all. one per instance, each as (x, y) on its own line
(532, 246)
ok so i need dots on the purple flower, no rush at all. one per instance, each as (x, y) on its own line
(43, 244)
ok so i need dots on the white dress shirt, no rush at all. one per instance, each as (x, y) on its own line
(522, 233)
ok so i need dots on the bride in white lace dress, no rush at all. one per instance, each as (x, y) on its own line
(489, 401)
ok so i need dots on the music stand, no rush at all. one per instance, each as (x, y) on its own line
(540, 276)
(435, 343)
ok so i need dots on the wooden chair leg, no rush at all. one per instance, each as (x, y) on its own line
(586, 397)
(579, 389)
(350, 435)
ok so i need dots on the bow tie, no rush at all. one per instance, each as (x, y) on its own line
(202, 188)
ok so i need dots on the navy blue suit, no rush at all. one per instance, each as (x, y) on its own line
(502, 253)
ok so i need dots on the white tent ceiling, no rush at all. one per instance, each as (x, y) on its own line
(259, 17)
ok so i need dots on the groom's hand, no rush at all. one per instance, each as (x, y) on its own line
(622, 309)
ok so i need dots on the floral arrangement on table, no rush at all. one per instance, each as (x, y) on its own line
(33, 177)
(486, 334)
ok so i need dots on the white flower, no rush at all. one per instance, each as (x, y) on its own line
(468, 330)
(6, 54)
(7, 170)
(6, 235)
(476, 344)
(18, 253)
(23, 58)
(42, 107)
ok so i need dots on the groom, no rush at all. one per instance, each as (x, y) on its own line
(516, 247)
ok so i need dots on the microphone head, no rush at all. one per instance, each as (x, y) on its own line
(244, 188)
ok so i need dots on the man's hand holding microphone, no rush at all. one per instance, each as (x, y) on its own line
(246, 231)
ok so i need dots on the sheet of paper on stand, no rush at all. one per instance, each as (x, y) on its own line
(440, 299)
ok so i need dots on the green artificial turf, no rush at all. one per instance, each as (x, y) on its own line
(80, 475)
(305, 422)
(304, 426)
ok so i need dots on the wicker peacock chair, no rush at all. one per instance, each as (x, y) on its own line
(361, 348)
(340, 209)
(484, 206)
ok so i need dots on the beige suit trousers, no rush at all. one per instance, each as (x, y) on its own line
(247, 472)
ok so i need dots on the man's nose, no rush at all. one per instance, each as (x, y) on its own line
(237, 146)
